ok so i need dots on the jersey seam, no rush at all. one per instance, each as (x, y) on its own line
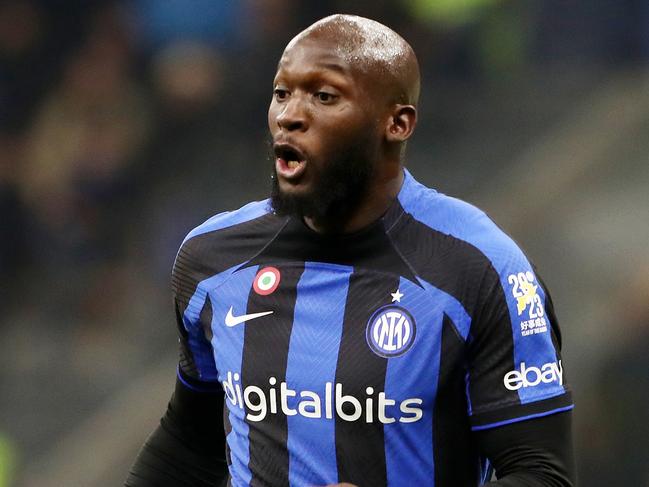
(242, 264)
(454, 328)
(400, 254)
(416, 274)
(267, 211)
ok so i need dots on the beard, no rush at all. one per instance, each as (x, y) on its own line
(339, 187)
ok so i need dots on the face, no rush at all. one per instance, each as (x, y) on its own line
(325, 133)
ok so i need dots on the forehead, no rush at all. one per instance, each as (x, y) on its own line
(313, 57)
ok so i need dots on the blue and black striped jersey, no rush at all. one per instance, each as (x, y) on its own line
(366, 358)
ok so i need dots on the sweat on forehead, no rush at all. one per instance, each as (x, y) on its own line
(369, 47)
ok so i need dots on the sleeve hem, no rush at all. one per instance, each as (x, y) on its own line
(522, 412)
(522, 418)
(197, 385)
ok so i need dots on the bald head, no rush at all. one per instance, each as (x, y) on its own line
(375, 51)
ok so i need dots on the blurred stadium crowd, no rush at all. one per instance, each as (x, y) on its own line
(125, 124)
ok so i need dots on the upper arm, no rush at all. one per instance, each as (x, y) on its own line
(193, 314)
(515, 369)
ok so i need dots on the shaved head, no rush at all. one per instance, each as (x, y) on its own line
(383, 58)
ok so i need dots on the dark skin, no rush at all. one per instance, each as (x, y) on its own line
(322, 103)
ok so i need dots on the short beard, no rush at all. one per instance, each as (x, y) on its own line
(339, 189)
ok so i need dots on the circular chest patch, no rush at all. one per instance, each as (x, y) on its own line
(390, 331)
(266, 281)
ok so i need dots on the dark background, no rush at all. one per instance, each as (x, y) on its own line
(125, 124)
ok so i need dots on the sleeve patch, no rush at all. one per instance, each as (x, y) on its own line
(529, 304)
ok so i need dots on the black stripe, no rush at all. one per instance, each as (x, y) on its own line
(206, 318)
(555, 330)
(186, 359)
(360, 448)
(265, 355)
(227, 428)
(463, 271)
(451, 428)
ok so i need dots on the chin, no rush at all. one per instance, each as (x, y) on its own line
(288, 198)
(294, 189)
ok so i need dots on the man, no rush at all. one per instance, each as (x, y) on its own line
(358, 327)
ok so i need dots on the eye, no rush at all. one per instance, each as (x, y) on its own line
(324, 97)
(280, 94)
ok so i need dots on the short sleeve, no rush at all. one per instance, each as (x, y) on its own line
(193, 313)
(515, 370)
(209, 254)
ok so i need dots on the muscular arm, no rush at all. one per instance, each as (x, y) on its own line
(532, 453)
(188, 447)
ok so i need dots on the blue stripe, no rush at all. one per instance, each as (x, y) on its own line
(226, 351)
(312, 358)
(409, 446)
(227, 219)
(451, 306)
(202, 350)
(465, 222)
(228, 345)
(522, 418)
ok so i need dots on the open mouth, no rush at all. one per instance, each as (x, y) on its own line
(290, 162)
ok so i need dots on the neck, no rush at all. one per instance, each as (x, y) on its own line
(381, 194)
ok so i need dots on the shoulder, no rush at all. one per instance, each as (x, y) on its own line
(460, 224)
(226, 240)
(229, 219)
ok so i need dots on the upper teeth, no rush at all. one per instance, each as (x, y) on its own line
(292, 164)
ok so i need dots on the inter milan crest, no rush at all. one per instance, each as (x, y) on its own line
(390, 331)
(266, 281)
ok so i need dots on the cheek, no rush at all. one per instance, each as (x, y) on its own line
(352, 129)
(272, 117)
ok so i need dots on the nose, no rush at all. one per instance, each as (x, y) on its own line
(292, 116)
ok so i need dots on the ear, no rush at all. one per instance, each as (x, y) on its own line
(401, 123)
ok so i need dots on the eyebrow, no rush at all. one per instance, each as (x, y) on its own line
(334, 67)
(331, 66)
(321, 68)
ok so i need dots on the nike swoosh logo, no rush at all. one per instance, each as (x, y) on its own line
(231, 320)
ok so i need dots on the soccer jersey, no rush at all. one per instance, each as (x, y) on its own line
(366, 358)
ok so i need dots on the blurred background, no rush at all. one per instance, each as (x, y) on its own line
(125, 124)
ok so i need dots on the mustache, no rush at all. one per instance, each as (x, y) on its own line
(340, 181)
